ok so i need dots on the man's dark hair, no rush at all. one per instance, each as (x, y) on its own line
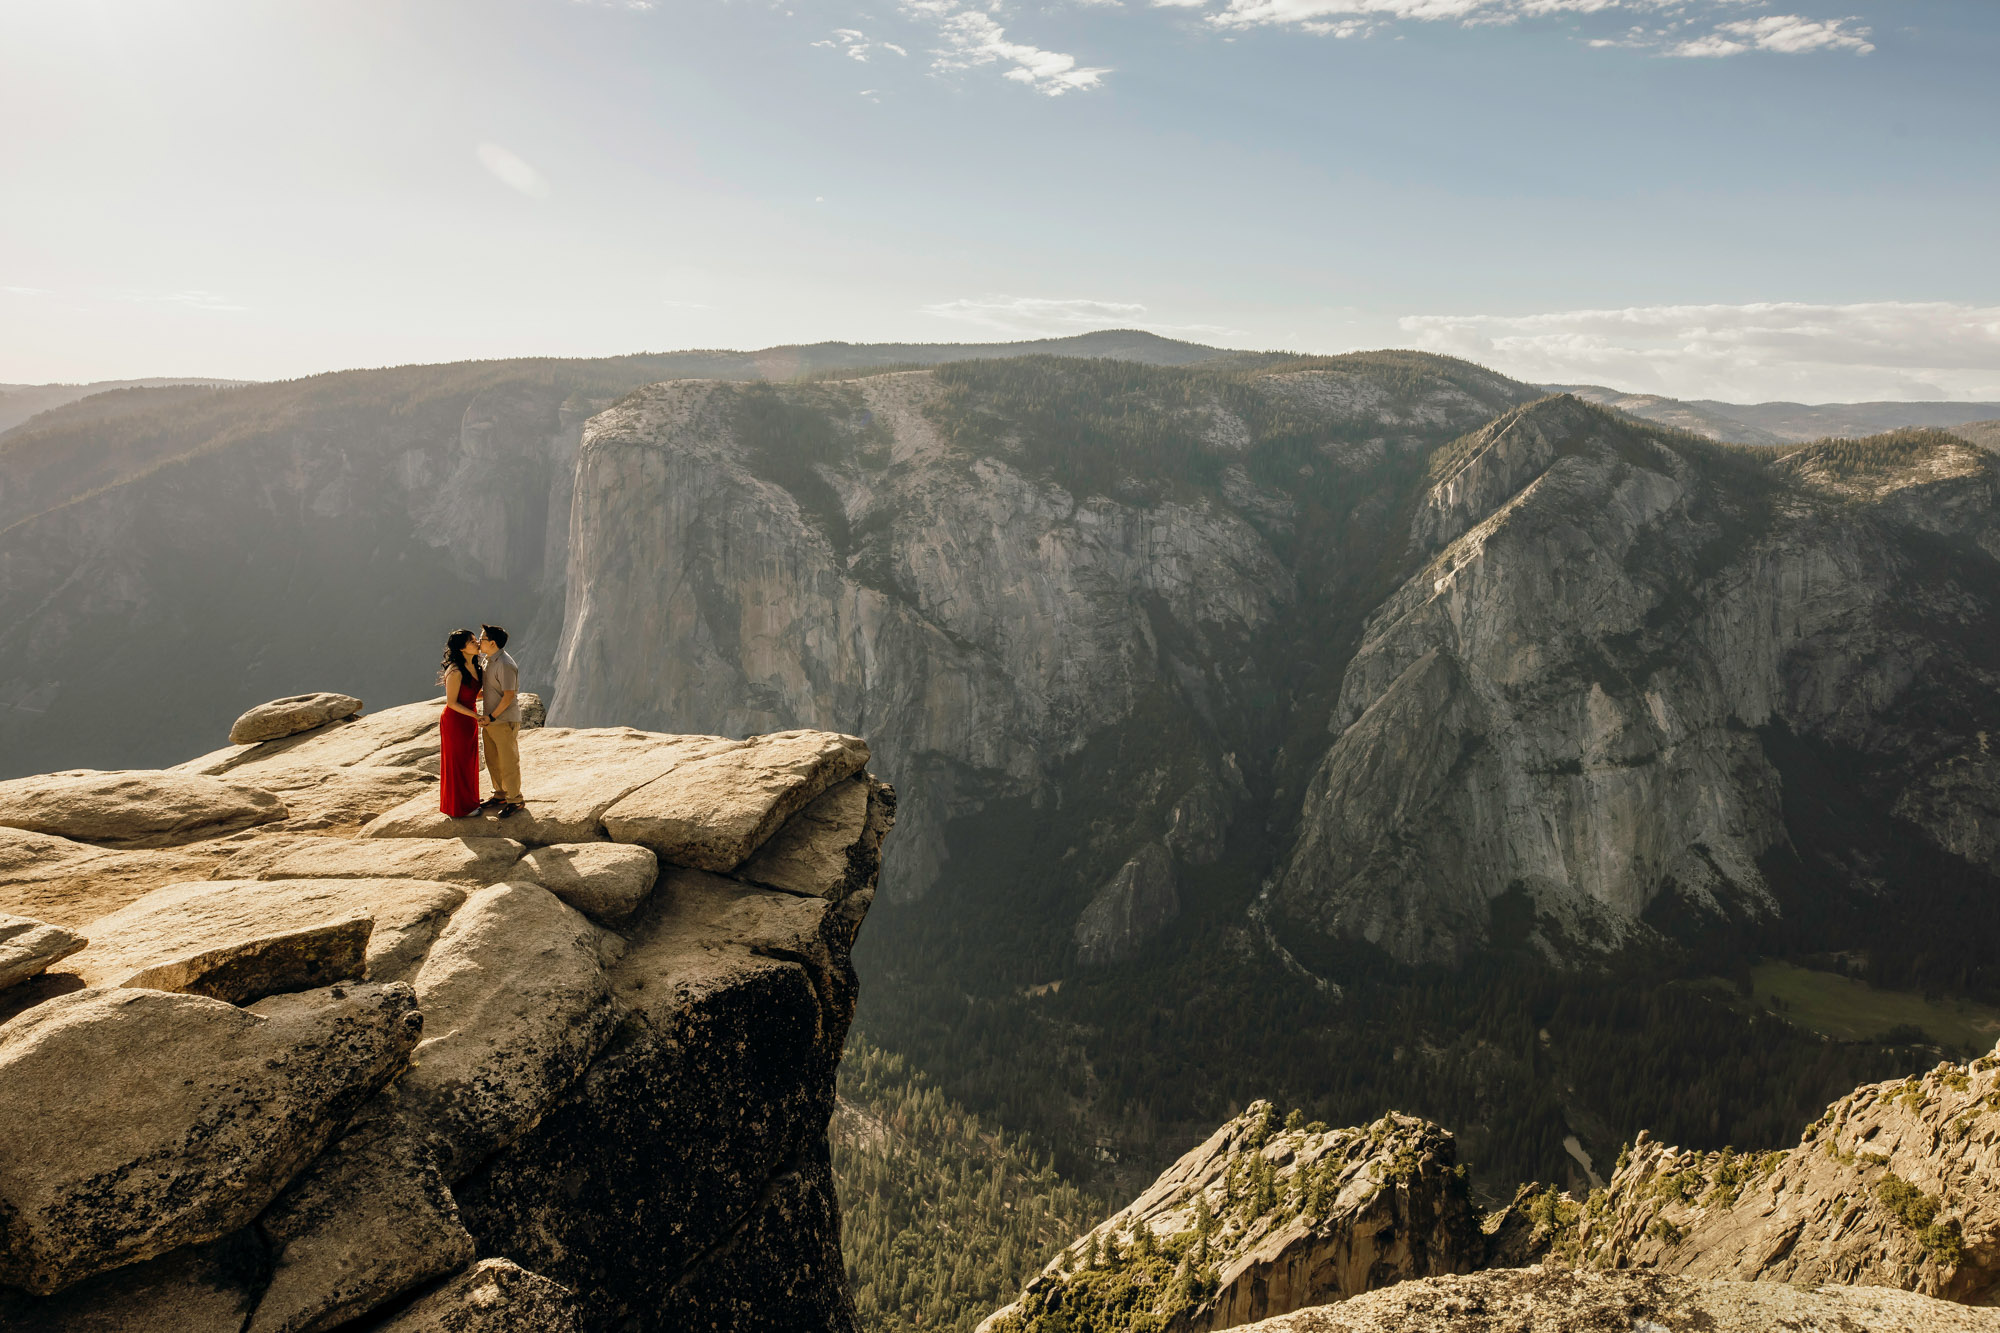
(495, 633)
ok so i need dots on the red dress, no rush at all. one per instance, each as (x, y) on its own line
(458, 765)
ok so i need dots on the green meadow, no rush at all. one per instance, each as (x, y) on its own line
(1849, 1010)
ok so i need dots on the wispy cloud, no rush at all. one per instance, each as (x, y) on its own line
(510, 170)
(1040, 316)
(1788, 34)
(1879, 349)
(972, 38)
(1687, 28)
(854, 43)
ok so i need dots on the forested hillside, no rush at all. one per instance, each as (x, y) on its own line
(945, 1215)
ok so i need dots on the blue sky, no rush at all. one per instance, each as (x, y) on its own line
(1701, 197)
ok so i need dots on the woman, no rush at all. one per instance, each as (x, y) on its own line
(458, 726)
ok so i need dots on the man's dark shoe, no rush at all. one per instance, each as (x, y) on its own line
(512, 808)
(490, 804)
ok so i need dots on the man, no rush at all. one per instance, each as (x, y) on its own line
(502, 731)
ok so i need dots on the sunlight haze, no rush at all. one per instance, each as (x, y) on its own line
(1706, 199)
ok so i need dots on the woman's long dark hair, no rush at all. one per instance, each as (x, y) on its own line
(454, 657)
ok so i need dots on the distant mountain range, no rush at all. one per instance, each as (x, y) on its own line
(1772, 423)
(18, 402)
(1780, 423)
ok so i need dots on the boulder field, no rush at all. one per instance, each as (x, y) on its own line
(283, 1049)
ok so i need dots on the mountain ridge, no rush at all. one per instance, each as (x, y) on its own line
(1777, 422)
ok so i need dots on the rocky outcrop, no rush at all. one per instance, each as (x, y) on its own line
(225, 1105)
(1560, 1300)
(1884, 1216)
(536, 1079)
(827, 849)
(1260, 1220)
(1893, 1187)
(606, 882)
(1568, 703)
(713, 812)
(288, 717)
(1136, 904)
(573, 778)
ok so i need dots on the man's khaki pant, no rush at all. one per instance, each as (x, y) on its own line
(503, 759)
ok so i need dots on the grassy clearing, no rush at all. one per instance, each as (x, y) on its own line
(1849, 1010)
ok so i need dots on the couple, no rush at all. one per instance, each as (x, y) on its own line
(477, 669)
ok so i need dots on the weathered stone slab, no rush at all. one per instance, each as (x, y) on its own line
(368, 1221)
(244, 970)
(135, 807)
(133, 1122)
(569, 777)
(517, 1001)
(829, 849)
(606, 881)
(420, 755)
(71, 883)
(337, 745)
(27, 947)
(494, 1296)
(711, 813)
(287, 717)
(184, 920)
(345, 798)
(456, 860)
(207, 1288)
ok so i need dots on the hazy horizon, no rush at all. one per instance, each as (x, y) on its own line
(226, 381)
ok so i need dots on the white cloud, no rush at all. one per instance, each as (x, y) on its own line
(1682, 26)
(972, 38)
(855, 44)
(510, 170)
(1037, 316)
(1783, 350)
(1788, 34)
